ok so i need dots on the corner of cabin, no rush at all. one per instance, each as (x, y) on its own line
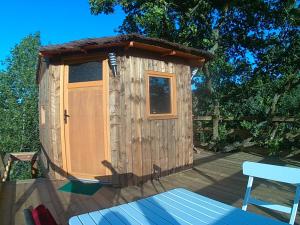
(97, 105)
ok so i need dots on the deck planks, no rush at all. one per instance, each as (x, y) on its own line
(217, 176)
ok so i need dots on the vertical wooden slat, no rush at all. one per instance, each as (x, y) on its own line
(153, 130)
(132, 116)
(146, 127)
(42, 104)
(62, 122)
(122, 154)
(190, 118)
(135, 119)
(114, 110)
(139, 118)
(171, 134)
(55, 121)
(158, 130)
(164, 138)
(106, 108)
(186, 90)
(127, 111)
(164, 149)
(179, 135)
(49, 117)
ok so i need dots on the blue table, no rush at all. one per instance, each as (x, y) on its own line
(178, 206)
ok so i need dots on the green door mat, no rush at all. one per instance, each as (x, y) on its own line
(79, 187)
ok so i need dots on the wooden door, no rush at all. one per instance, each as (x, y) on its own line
(85, 119)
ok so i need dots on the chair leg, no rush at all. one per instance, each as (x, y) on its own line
(248, 192)
(295, 205)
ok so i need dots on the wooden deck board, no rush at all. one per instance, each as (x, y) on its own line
(217, 176)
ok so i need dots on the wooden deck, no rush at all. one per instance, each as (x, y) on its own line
(217, 176)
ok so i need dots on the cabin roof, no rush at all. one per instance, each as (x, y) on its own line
(127, 41)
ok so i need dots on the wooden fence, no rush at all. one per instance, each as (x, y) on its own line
(216, 119)
(247, 118)
(9, 158)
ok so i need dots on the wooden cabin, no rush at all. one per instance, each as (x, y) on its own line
(116, 109)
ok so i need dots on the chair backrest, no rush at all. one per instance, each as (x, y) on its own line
(276, 173)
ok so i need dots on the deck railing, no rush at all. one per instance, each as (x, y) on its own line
(10, 158)
(211, 124)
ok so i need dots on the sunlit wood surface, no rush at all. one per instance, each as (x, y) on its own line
(217, 176)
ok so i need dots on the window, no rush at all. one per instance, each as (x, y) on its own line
(84, 72)
(161, 95)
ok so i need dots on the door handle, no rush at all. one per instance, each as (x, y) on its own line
(66, 116)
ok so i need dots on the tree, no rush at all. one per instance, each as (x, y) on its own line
(256, 47)
(19, 98)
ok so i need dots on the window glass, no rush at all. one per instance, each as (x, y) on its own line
(83, 72)
(160, 95)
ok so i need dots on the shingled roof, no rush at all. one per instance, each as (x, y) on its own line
(119, 41)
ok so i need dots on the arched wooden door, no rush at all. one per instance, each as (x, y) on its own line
(85, 118)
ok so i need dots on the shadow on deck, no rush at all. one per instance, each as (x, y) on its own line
(217, 176)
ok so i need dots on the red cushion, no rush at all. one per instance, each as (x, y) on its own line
(42, 216)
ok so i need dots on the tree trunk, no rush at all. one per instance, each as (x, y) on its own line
(216, 119)
(272, 112)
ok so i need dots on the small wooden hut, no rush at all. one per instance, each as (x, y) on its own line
(117, 108)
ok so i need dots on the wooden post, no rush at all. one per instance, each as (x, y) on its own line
(20, 156)
(216, 119)
(7, 167)
(34, 166)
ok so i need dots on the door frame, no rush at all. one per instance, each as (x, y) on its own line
(64, 104)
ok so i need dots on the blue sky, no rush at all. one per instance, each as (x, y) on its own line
(58, 21)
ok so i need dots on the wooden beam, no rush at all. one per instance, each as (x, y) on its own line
(129, 45)
(203, 118)
(83, 50)
(283, 119)
(6, 171)
(20, 156)
(23, 156)
(169, 52)
(248, 118)
(193, 59)
(51, 53)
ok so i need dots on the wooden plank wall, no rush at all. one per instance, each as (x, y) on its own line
(137, 143)
(50, 133)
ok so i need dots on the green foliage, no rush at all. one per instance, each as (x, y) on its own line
(19, 98)
(290, 103)
(21, 170)
(256, 45)
(223, 132)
